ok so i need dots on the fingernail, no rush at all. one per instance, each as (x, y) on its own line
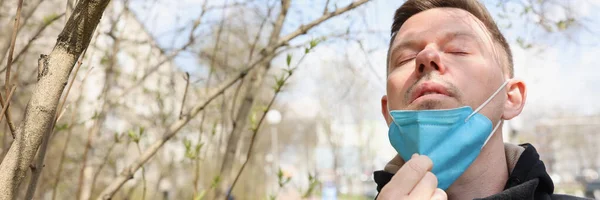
(414, 155)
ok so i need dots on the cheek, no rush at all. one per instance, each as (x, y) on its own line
(396, 87)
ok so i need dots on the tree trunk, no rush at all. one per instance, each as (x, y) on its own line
(52, 78)
(255, 82)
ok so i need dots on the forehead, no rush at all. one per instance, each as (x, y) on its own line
(438, 22)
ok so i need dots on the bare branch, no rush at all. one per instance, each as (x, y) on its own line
(41, 109)
(35, 37)
(104, 161)
(304, 28)
(11, 126)
(28, 13)
(143, 172)
(187, 84)
(128, 172)
(325, 10)
(82, 80)
(8, 100)
(169, 57)
(101, 115)
(13, 41)
(256, 79)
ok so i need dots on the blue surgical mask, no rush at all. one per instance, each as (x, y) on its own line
(452, 138)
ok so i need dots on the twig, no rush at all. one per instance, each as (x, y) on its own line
(212, 62)
(187, 84)
(62, 103)
(325, 10)
(8, 100)
(256, 39)
(34, 37)
(30, 8)
(233, 100)
(62, 155)
(169, 57)
(143, 173)
(12, 49)
(11, 126)
(98, 121)
(304, 28)
(101, 115)
(82, 81)
(104, 161)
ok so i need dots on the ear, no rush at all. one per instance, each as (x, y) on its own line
(516, 96)
(384, 109)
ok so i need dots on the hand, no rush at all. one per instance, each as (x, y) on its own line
(414, 180)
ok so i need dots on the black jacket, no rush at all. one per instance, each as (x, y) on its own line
(528, 180)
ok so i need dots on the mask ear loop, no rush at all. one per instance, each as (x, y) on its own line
(493, 131)
(487, 101)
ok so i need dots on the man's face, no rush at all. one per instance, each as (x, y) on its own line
(443, 58)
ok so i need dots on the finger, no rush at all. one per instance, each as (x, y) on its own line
(439, 194)
(410, 174)
(425, 188)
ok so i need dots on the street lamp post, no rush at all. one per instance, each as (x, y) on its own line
(273, 118)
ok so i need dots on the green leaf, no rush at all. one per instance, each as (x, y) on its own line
(104, 60)
(200, 195)
(313, 43)
(306, 50)
(142, 131)
(133, 136)
(564, 24)
(215, 181)
(289, 59)
(214, 128)
(279, 174)
(187, 143)
(49, 18)
(62, 127)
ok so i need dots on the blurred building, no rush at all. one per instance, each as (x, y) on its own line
(569, 148)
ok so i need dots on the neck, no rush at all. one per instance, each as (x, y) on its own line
(486, 176)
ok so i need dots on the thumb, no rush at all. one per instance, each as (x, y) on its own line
(439, 194)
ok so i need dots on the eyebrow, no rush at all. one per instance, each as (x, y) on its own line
(448, 35)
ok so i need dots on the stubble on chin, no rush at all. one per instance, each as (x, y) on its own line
(429, 105)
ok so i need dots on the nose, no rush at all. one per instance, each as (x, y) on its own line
(429, 60)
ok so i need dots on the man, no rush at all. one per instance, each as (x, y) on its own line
(450, 85)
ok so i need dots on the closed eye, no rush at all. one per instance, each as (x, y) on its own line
(405, 61)
(458, 52)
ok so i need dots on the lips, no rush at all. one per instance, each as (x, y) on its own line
(428, 88)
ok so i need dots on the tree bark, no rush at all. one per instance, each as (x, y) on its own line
(52, 78)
